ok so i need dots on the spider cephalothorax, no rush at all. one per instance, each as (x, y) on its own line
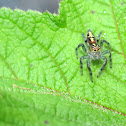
(93, 51)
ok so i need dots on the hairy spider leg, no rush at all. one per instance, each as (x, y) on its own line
(83, 47)
(99, 37)
(88, 65)
(110, 58)
(104, 41)
(81, 63)
(104, 64)
(85, 39)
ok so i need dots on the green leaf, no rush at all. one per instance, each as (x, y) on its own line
(40, 79)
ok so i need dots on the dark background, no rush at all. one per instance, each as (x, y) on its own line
(39, 5)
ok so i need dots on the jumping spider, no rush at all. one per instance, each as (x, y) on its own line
(93, 51)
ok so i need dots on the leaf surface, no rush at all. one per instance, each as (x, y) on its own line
(40, 79)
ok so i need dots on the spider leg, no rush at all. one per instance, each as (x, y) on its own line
(99, 37)
(104, 41)
(104, 64)
(81, 63)
(88, 66)
(85, 39)
(83, 47)
(110, 58)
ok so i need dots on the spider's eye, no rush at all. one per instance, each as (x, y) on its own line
(95, 50)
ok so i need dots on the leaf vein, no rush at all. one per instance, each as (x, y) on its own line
(69, 96)
(46, 52)
(6, 63)
(117, 29)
